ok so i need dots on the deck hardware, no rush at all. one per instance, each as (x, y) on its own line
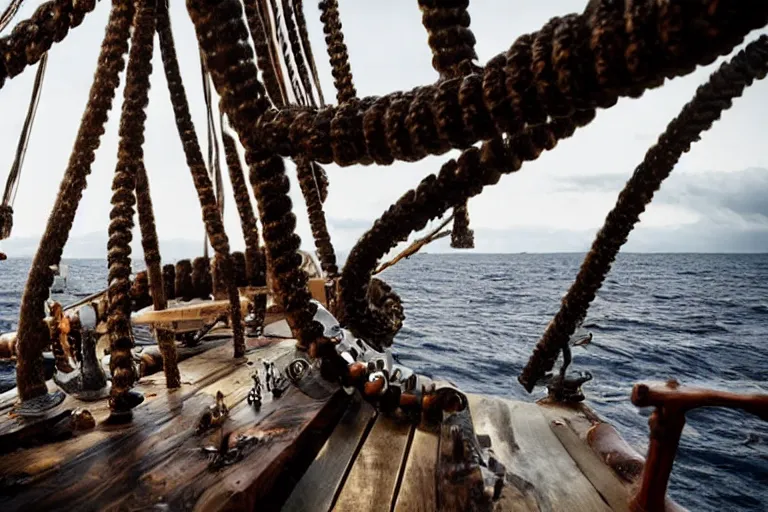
(254, 395)
(214, 416)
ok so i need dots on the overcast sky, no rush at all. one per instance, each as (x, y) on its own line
(715, 200)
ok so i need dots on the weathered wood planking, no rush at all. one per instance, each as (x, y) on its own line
(417, 490)
(206, 367)
(281, 432)
(371, 484)
(524, 443)
(90, 458)
(610, 487)
(321, 483)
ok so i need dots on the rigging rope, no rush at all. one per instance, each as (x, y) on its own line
(697, 116)
(9, 13)
(33, 37)
(214, 224)
(214, 162)
(33, 332)
(12, 185)
(574, 62)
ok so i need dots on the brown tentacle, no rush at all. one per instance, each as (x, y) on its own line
(130, 155)
(614, 49)
(457, 180)
(33, 37)
(229, 59)
(337, 51)
(211, 214)
(165, 339)
(32, 332)
(697, 116)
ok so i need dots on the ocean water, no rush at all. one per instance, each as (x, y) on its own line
(702, 319)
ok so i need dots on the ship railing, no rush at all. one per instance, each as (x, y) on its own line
(672, 402)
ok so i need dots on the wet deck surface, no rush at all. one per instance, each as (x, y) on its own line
(294, 453)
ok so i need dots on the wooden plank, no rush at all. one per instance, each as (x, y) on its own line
(166, 413)
(273, 437)
(371, 484)
(535, 458)
(321, 483)
(417, 491)
(185, 311)
(602, 478)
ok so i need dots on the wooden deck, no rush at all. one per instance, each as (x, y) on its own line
(295, 453)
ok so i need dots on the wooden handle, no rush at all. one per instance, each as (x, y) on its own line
(683, 399)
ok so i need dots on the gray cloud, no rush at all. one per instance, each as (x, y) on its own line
(716, 196)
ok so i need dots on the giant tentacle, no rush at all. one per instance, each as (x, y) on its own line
(337, 51)
(33, 332)
(211, 214)
(453, 52)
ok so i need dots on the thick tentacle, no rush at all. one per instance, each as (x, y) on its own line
(312, 192)
(457, 180)
(453, 55)
(337, 51)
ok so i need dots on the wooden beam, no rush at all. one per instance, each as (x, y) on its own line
(417, 491)
(321, 484)
(372, 482)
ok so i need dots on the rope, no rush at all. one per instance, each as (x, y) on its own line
(214, 162)
(211, 214)
(697, 116)
(33, 37)
(228, 58)
(589, 60)
(9, 13)
(33, 332)
(12, 185)
(298, 11)
(337, 51)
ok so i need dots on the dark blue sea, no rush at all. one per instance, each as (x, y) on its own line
(702, 319)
